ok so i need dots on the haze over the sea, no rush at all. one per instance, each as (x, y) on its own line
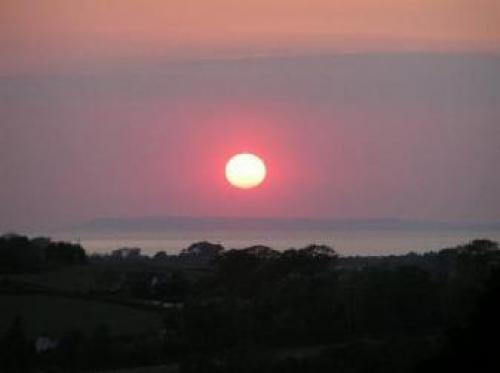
(347, 236)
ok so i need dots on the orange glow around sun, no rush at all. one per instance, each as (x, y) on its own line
(245, 171)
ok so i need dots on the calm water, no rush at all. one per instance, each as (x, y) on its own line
(346, 242)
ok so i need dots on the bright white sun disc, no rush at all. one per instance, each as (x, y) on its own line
(245, 170)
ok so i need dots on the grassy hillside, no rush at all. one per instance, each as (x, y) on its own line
(158, 369)
(57, 315)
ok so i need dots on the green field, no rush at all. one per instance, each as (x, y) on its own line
(73, 279)
(56, 315)
(158, 369)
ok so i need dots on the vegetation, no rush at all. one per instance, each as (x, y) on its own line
(19, 253)
(253, 310)
(54, 315)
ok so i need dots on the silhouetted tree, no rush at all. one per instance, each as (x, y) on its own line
(17, 253)
(65, 253)
(160, 256)
(203, 252)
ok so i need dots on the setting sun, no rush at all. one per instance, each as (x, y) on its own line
(245, 171)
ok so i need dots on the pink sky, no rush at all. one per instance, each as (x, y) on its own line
(51, 34)
(131, 108)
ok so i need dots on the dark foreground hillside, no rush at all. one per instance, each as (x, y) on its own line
(253, 310)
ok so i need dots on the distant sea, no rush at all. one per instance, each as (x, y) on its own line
(347, 237)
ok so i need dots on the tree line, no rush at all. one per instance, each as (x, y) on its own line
(21, 254)
(298, 310)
